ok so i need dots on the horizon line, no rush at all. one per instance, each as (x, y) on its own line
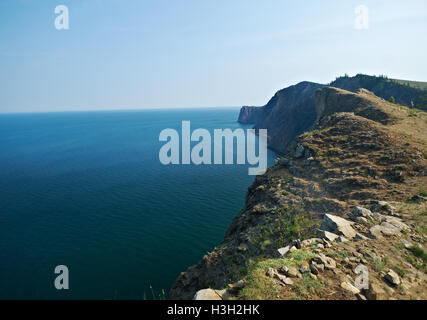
(115, 110)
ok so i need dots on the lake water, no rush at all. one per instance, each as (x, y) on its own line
(87, 190)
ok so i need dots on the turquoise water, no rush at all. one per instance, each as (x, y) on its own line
(87, 190)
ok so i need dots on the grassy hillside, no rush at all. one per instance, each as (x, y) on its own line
(408, 93)
(414, 84)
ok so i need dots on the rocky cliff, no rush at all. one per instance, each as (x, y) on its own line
(292, 110)
(348, 195)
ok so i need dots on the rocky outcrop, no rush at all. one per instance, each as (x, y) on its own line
(289, 113)
(330, 100)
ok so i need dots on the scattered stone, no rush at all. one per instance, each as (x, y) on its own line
(374, 292)
(361, 212)
(284, 270)
(383, 206)
(283, 251)
(393, 278)
(288, 281)
(360, 237)
(304, 269)
(362, 221)
(320, 246)
(341, 239)
(349, 287)
(291, 272)
(271, 273)
(207, 294)
(338, 225)
(406, 244)
(328, 236)
(299, 151)
(313, 276)
(313, 268)
(328, 262)
(389, 227)
(306, 243)
(360, 297)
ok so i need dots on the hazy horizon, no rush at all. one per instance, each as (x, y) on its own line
(160, 55)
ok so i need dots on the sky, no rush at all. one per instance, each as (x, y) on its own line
(136, 54)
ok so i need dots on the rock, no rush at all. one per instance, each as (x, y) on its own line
(237, 286)
(288, 281)
(284, 270)
(306, 243)
(375, 232)
(271, 273)
(374, 292)
(406, 244)
(328, 262)
(299, 151)
(338, 225)
(207, 294)
(341, 239)
(291, 272)
(360, 237)
(360, 297)
(283, 251)
(362, 221)
(328, 236)
(361, 212)
(313, 276)
(320, 246)
(314, 269)
(349, 287)
(304, 269)
(280, 278)
(389, 227)
(383, 206)
(393, 278)
(293, 249)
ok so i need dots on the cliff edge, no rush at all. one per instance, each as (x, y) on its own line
(347, 197)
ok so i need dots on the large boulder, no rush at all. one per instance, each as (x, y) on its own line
(392, 278)
(390, 226)
(207, 294)
(338, 225)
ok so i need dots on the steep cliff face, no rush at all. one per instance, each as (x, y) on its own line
(345, 167)
(290, 112)
(250, 115)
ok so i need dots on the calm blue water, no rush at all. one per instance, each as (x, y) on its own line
(86, 189)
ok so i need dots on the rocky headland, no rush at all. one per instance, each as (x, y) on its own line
(341, 215)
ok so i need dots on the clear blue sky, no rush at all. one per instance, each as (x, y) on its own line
(131, 54)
